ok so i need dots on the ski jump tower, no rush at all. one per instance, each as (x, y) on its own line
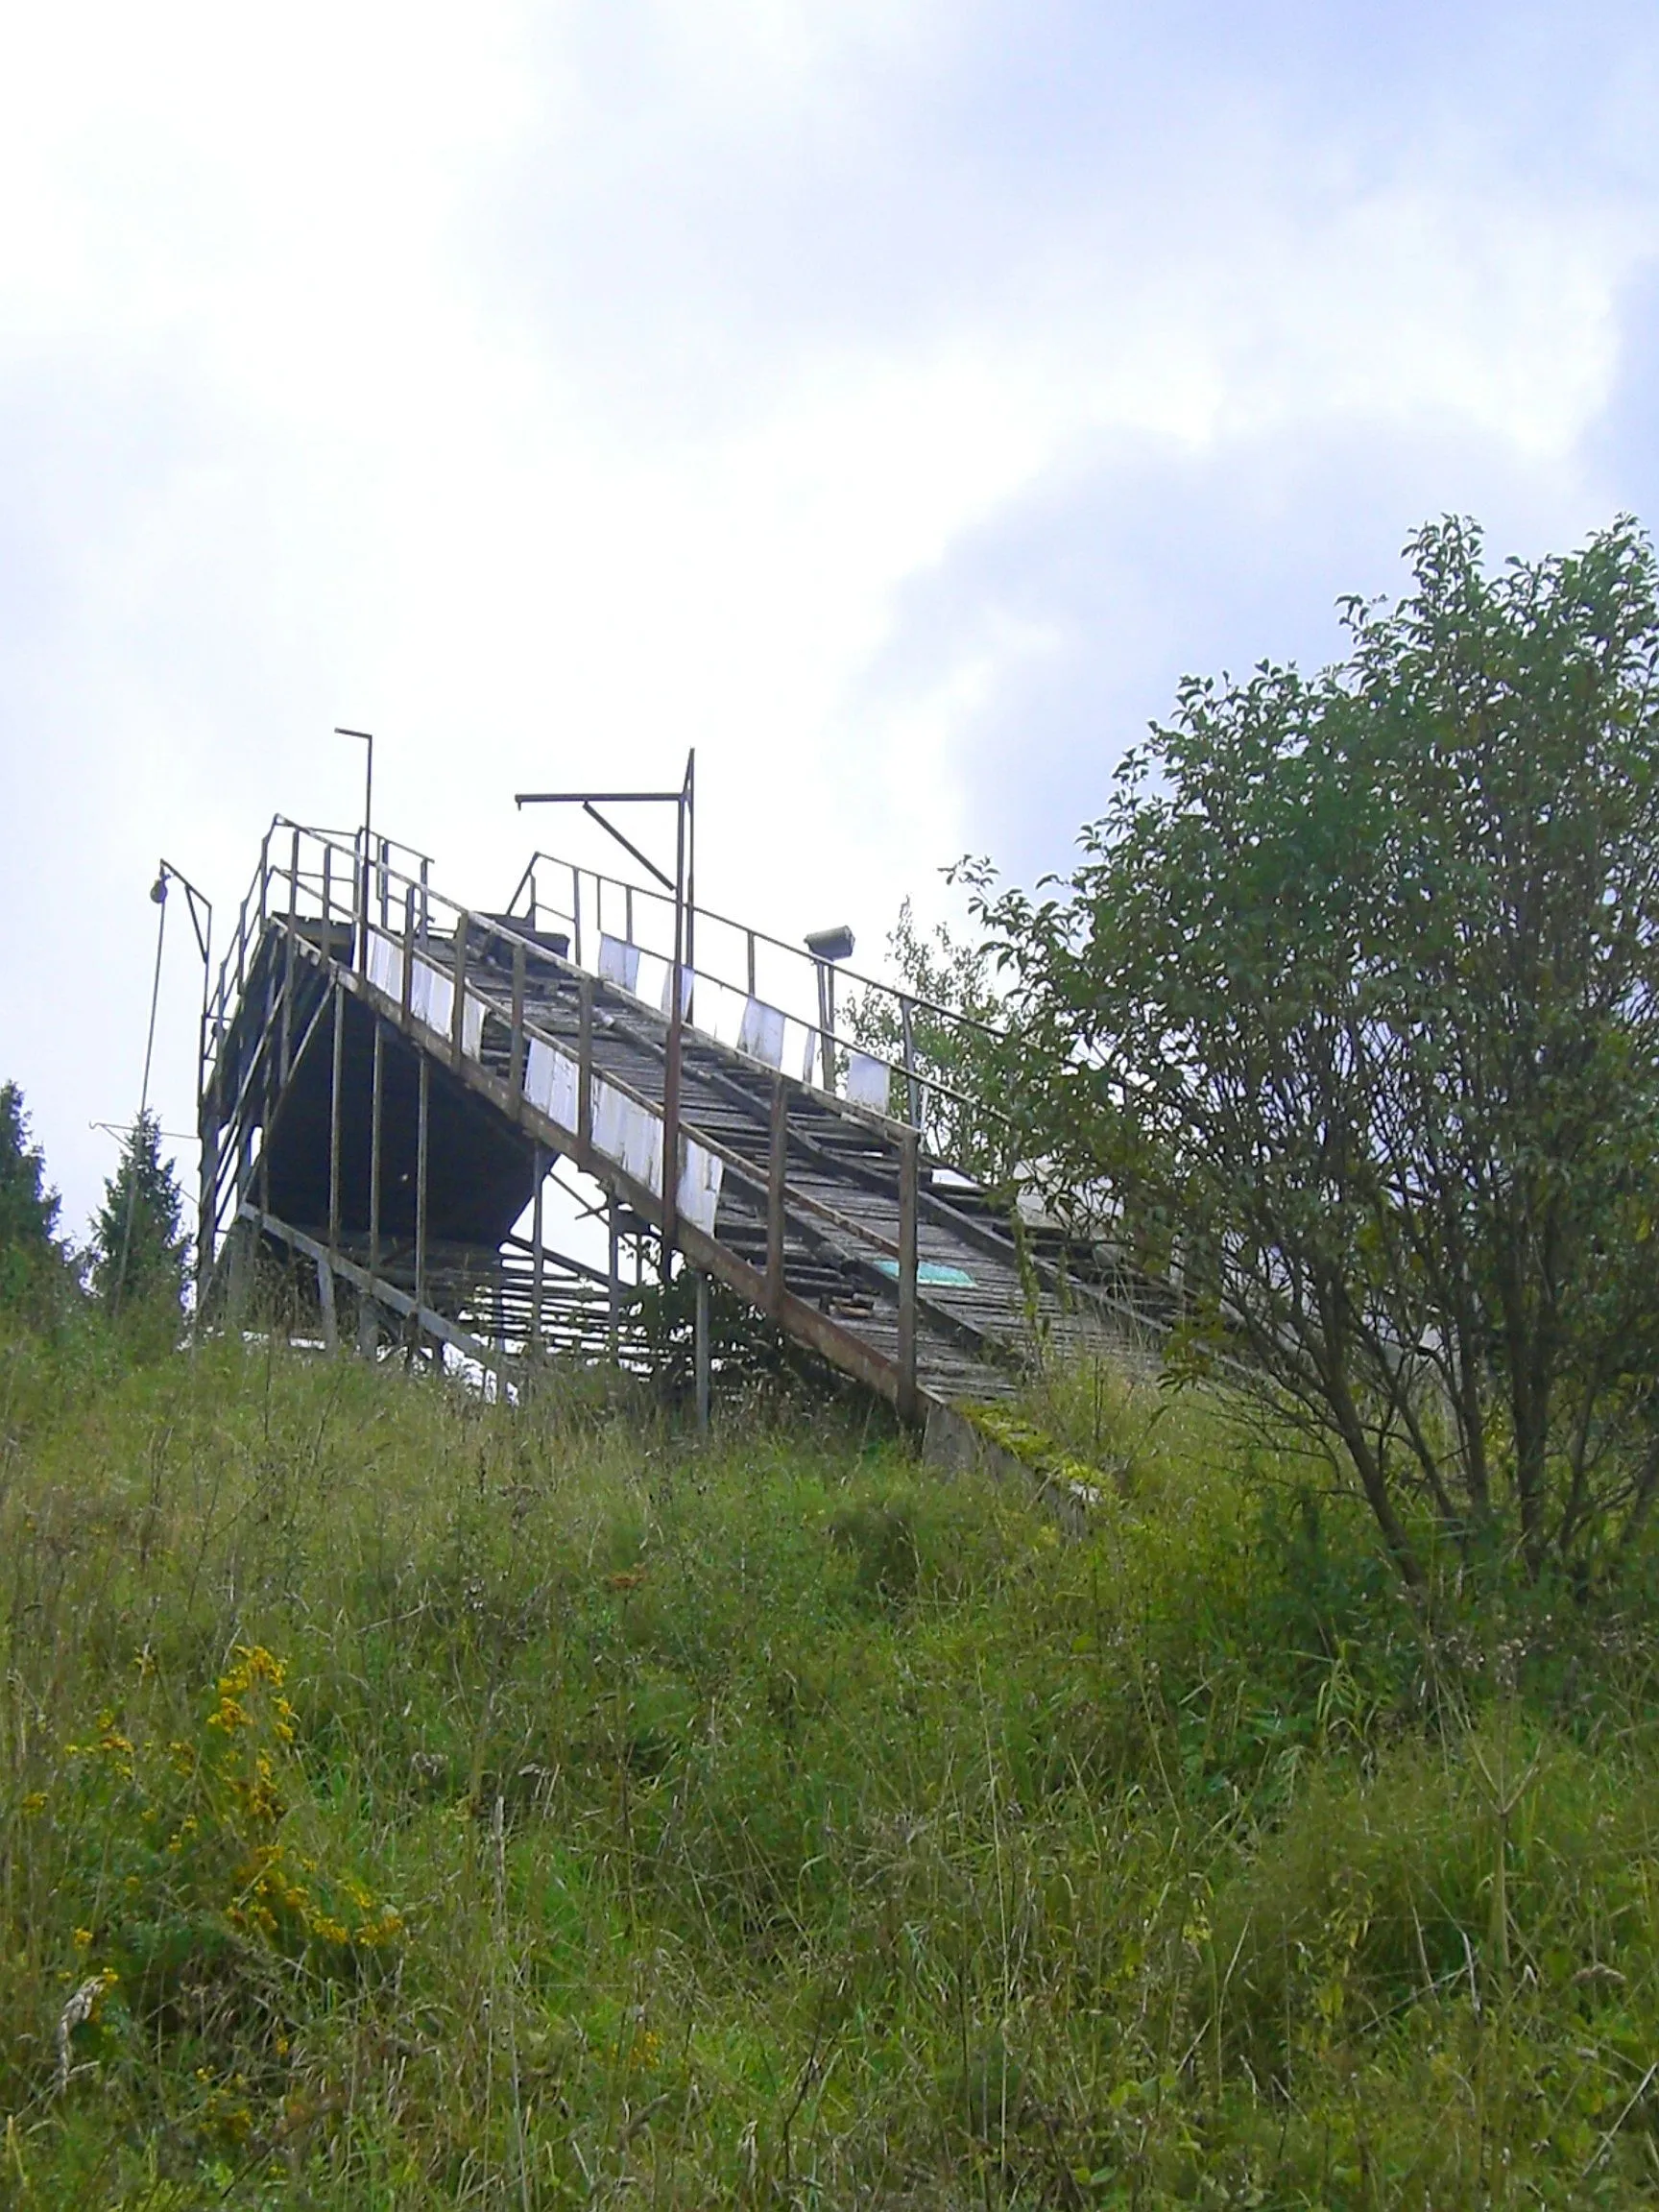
(389, 1078)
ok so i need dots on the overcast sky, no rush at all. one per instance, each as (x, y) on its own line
(892, 401)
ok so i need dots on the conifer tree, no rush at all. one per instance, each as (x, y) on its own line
(28, 1209)
(140, 1247)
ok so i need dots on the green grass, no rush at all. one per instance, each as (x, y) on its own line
(434, 1803)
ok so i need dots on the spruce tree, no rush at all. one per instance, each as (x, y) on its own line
(140, 1247)
(28, 1209)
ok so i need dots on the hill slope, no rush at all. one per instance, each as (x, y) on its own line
(405, 1801)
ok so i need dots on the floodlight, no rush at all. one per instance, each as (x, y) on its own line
(831, 944)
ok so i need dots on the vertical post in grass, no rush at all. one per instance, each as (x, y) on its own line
(613, 1332)
(239, 1244)
(908, 1178)
(207, 1188)
(325, 1302)
(538, 1167)
(701, 1352)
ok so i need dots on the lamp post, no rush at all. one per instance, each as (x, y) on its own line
(201, 910)
(827, 946)
(684, 887)
(368, 738)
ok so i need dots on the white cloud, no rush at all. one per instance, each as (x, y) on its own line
(572, 384)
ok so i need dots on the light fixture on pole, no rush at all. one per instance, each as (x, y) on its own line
(827, 946)
(200, 910)
(684, 887)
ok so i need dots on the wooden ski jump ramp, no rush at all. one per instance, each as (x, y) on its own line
(388, 1079)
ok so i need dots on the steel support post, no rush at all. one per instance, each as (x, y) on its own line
(671, 1072)
(703, 1352)
(777, 1174)
(422, 1148)
(826, 1026)
(907, 1269)
(326, 1305)
(376, 1111)
(537, 1264)
(267, 1082)
(614, 1280)
(516, 1071)
(239, 1256)
(207, 1114)
(584, 1062)
(288, 958)
(458, 1011)
(336, 1086)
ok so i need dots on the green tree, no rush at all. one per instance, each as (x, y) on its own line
(139, 1248)
(1350, 1014)
(947, 995)
(28, 1209)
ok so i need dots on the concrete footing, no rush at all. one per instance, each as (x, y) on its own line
(956, 1442)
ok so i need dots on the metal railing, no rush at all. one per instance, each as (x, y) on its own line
(745, 967)
(339, 887)
(337, 890)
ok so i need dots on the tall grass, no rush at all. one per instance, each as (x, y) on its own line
(411, 1801)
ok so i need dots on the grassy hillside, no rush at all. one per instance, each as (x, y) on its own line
(408, 1802)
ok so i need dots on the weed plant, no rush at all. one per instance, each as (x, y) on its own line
(407, 1801)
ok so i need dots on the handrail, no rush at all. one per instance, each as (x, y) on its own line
(318, 881)
(743, 1169)
(353, 837)
(796, 951)
(874, 1116)
(341, 908)
(923, 1089)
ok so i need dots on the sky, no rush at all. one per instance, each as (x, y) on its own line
(892, 402)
